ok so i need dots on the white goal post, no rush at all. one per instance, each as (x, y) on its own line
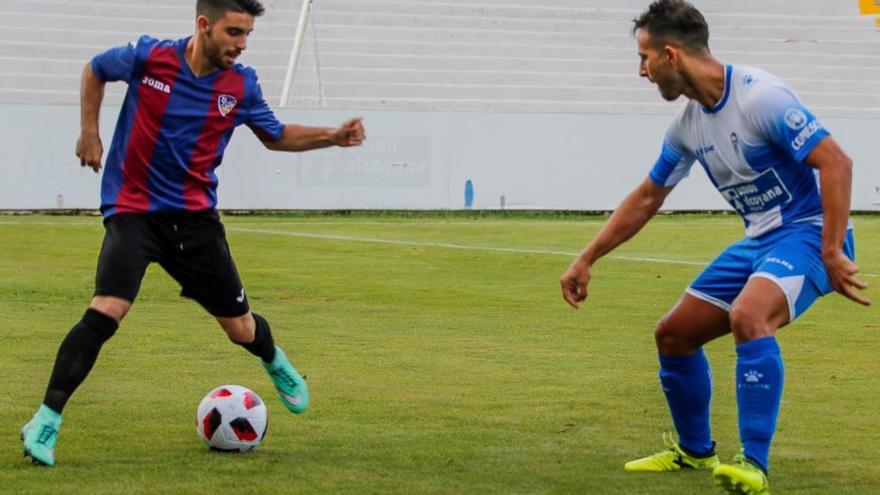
(294, 52)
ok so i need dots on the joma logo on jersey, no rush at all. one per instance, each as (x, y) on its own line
(153, 83)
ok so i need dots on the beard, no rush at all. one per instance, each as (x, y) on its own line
(669, 95)
(668, 90)
(214, 54)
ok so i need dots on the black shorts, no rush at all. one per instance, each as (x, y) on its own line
(190, 246)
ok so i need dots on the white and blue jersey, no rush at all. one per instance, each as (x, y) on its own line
(752, 144)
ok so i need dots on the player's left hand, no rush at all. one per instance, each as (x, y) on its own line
(351, 133)
(574, 282)
(842, 275)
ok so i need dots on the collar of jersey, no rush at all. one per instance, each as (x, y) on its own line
(728, 71)
(181, 54)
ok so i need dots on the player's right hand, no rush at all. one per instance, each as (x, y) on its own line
(89, 150)
(574, 282)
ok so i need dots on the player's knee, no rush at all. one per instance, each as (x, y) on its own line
(240, 329)
(674, 340)
(747, 325)
(113, 307)
(666, 336)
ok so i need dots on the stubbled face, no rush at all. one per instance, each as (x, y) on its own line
(658, 67)
(224, 40)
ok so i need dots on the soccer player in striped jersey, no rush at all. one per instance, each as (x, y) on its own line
(781, 170)
(159, 193)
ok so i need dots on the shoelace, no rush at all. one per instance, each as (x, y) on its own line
(669, 442)
(288, 378)
(742, 460)
(46, 434)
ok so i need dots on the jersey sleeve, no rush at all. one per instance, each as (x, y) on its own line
(674, 163)
(782, 119)
(260, 117)
(118, 64)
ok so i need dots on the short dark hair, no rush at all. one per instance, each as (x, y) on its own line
(215, 9)
(674, 21)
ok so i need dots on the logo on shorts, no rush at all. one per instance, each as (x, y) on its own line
(795, 118)
(225, 103)
(241, 297)
(779, 261)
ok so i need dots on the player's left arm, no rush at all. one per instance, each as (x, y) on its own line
(303, 138)
(835, 179)
(293, 137)
(782, 118)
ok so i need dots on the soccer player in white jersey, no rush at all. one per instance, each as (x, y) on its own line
(769, 158)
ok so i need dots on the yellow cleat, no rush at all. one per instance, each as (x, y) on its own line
(671, 459)
(741, 477)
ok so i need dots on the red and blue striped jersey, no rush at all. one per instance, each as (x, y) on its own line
(173, 127)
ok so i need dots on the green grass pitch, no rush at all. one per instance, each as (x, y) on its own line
(440, 356)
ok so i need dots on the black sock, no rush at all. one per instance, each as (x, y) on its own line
(263, 346)
(77, 355)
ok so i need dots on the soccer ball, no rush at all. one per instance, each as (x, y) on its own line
(232, 418)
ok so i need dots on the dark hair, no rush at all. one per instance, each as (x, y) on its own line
(674, 21)
(215, 9)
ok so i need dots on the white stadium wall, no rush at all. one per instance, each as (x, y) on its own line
(412, 160)
(539, 106)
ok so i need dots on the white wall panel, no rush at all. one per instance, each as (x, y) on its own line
(411, 160)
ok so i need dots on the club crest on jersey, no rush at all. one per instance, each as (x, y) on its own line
(225, 103)
(795, 119)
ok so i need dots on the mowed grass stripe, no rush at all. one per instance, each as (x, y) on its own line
(433, 370)
(449, 245)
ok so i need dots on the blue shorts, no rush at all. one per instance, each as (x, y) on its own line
(790, 256)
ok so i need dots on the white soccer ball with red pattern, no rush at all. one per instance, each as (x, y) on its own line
(232, 418)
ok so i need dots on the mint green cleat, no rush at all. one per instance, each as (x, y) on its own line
(674, 458)
(741, 477)
(39, 436)
(292, 389)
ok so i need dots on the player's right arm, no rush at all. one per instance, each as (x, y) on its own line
(88, 147)
(115, 64)
(631, 215)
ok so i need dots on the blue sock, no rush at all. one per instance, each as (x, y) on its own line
(687, 382)
(759, 377)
